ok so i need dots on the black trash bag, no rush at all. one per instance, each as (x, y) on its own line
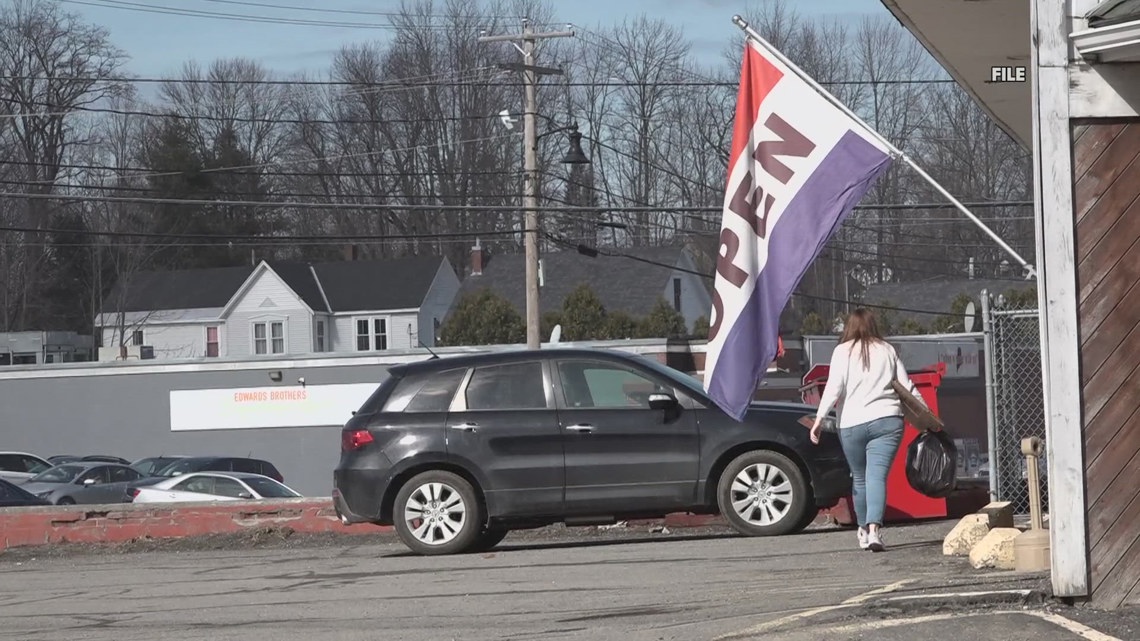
(932, 464)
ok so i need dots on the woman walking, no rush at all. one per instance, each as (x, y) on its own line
(863, 368)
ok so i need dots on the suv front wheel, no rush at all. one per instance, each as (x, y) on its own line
(764, 493)
(437, 512)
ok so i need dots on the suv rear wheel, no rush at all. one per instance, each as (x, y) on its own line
(437, 512)
(764, 493)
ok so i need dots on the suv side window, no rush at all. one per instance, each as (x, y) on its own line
(605, 385)
(123, 474)
(249, 466)
(516, 386)
(437, 393)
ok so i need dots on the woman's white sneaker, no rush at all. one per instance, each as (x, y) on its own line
(874, 542)
(863, 539)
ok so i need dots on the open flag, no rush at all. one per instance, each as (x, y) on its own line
(798, 166)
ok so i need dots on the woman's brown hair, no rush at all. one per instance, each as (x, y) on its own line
(862, 328)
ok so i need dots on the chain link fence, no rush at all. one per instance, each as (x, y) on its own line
(1015, 398)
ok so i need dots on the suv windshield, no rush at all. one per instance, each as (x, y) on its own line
(58, 474)
(271, 489)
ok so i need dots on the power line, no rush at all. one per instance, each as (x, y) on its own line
(202, 201)
(350, 83)
(356, 12)
(362, 154)
(254, 237)
(111, 169)
(243, 119)
(231, 17)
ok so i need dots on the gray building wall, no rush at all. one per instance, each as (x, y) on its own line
(123, 408)
(128, 415)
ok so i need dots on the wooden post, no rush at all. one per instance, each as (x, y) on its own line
(1057, 296)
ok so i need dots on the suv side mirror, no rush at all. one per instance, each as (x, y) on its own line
(245, 495)
(89, 481)
(660, 401)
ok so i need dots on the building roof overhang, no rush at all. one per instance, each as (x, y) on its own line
(970, 38)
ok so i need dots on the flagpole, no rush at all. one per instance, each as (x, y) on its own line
(1031, 271)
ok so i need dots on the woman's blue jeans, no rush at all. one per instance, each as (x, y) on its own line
(870, 449)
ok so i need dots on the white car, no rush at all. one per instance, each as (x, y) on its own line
(212, 486)
(17, 467)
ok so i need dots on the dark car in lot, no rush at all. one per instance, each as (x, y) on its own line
(189, 464)
(457, 452)
(12, 495)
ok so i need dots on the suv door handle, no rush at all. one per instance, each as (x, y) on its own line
(581, 428)
(466, 427)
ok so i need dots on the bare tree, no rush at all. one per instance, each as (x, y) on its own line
(53, 65)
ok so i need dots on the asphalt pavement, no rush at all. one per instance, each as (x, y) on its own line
(629, 584)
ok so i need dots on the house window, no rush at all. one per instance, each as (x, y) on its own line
(677, 294)
(320, 342)
(371, 334)
(137, 337)
(212, 345)
(269, 337)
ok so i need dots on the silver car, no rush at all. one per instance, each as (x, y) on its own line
(17, 467)
(85, 483)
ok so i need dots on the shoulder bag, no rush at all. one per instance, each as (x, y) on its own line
(915, 411)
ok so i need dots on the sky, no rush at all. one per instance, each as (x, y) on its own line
(159, 43)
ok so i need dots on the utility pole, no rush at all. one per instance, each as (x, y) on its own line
(529, 39)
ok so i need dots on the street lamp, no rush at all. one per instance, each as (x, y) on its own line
(574, 156)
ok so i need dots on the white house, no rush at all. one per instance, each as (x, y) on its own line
(278, 308)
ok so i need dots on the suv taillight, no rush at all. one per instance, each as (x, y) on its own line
(133, 492)
(354, 439)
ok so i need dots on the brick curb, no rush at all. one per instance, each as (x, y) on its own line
(119, 523)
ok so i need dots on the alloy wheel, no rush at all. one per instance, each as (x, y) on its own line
(762, 494)
(435, 513)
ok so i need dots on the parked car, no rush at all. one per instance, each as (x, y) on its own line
(212, 486)
(189, 464)
(456, 452)
(18, 467)
(94, 458)
(12, 495)
(151, 465)
(83, 482)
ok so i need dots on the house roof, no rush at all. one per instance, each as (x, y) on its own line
(358, 285)
(935, 295)
(622, 284)
(185, 289)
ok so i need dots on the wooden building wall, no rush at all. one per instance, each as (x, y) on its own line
(1106, 199)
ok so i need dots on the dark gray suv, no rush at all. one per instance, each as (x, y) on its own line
(457, 452)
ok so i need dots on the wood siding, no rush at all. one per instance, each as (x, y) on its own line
(1106, 172)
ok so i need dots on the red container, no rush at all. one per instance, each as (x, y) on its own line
(904, 503)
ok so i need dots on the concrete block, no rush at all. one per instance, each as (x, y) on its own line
(996, 550)
(970, 529)
(1000, 514)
